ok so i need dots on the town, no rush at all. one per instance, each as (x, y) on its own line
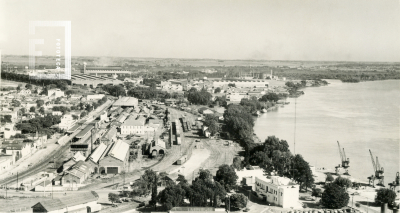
(110, 142)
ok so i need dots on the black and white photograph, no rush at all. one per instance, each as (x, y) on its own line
(200, 106)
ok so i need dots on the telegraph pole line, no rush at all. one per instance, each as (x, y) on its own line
(294, 145)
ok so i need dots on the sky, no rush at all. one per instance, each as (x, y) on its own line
(309, 30)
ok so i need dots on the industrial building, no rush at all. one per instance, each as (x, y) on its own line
(241, 83)
(93, 81)
(112, 158)
(126, 102)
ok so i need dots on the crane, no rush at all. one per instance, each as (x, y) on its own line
(344, 160)
(378, 172)
(395, 183)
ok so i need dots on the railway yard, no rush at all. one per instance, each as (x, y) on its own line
(186, 142)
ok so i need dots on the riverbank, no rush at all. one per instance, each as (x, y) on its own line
(359, 116)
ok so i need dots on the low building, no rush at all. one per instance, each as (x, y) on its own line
(248, 177)
(25, 92)
(278, 190)
(77, 203)
(67, 122)
(94, 97)
(77, 174)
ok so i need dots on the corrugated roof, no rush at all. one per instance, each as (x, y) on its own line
(84, 131)
(126, 101)
(95, 156)
(135, 122)
(78, 156)
(119, 150)
(68, 201)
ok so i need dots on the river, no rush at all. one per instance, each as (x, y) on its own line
(361, 116)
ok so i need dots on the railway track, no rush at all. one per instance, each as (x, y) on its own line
(44, 164)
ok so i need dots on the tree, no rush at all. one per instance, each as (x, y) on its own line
(147, 184)
(7, 119)
(205, 174)
(16, 103)
(270, 97)
(384, 195)
(343, 182)
(262, 160)
(226, 176)
(199, 97)
(302, 172)
(23, 110)
(211, 121)
(75, 117)
(231, 85)
(39, 103)
(28, 86)
(181, 179)
(171, 196)
(113, 197)
(237, 163)
(334, 197)
(83, 114)
(329, 178)
(217, 90)
(41, 110)
(290, 84)
(238, 200)
(32, 109)
(238, 122)
(316, 192)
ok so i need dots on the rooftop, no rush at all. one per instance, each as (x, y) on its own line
(71, 200)
(119, 150)
(95, 156)
(135, 122)
(126, 101)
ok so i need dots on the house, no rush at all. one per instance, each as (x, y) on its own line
(278, 190)
(57, 113)
(207, 112)
(25, 92)
(18, 149)
(77, 203)
(55, 93)
(127, 102)
(248, 177)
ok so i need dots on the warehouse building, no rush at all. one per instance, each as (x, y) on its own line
(110, 159)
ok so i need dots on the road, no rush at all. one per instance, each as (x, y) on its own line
(40, 166)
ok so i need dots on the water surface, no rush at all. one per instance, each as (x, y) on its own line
(361, 116)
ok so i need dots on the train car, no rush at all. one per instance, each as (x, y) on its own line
(181, 160)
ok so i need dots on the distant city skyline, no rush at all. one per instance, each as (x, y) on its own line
(310, 30)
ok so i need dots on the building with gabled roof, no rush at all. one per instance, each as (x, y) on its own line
(80, 202)
(112, 158)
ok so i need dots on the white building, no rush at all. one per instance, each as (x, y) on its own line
(55, 93)
(67, 122)
(136, 126)
(278, 190)
(25, 92)
(9, 131)
(95, 97)
(236, 97)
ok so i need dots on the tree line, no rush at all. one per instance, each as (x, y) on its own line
(60, 83)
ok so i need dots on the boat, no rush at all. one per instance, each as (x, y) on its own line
(257, 113)
(264, 110)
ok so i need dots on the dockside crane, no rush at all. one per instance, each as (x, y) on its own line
(379, 173)
(344, 160)
(395, 183)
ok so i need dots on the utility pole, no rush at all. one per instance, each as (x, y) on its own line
(17, 183)
(6, 191)
(294, 145)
